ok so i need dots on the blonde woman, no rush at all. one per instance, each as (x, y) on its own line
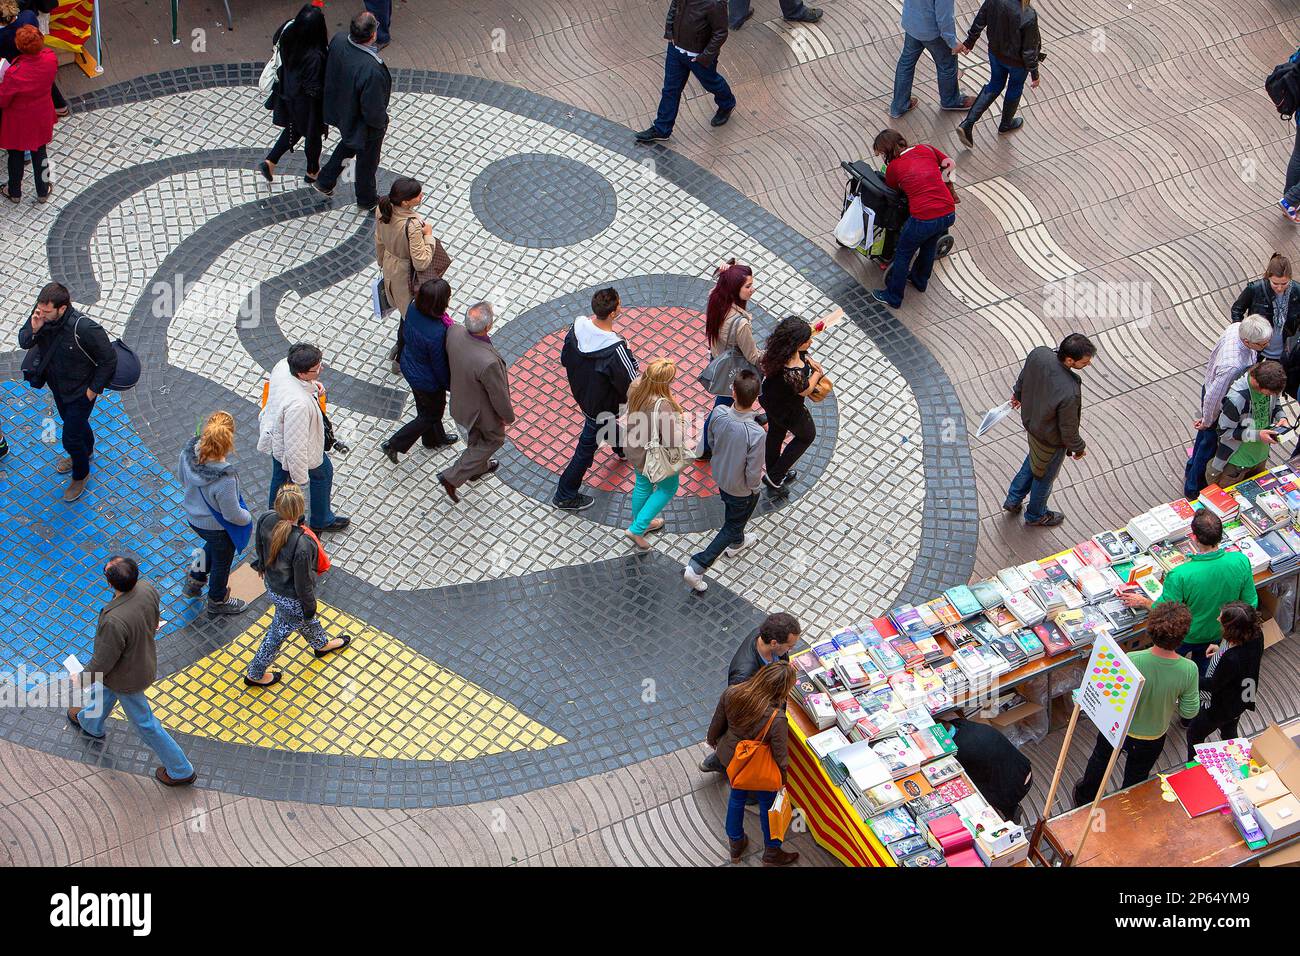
(652, 412)
(215, 510)
(287, 556)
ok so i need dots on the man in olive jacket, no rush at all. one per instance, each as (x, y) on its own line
(480, 397)
(357, 88)
(124, 664)
(1050, 398)
(695, 31)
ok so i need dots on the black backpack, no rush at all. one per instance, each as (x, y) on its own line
(1283, 87)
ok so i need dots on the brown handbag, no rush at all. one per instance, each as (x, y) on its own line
(438, 265)
(821, 389)
(752, 766)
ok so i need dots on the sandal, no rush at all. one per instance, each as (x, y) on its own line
(275, 679)
(656, 525)
(309, 178)
(347, 639)
(8, 195)
(636, 544)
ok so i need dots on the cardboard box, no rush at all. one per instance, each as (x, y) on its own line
(1015, 852)
(1272, 634)
(1276, 749)
(1263, 788)
(1279, 819)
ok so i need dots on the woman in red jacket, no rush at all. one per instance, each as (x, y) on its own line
(917, 171)
(27, 112)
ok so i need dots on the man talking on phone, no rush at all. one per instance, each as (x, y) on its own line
(76, 360)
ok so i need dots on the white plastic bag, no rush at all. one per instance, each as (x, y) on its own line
(850, 232)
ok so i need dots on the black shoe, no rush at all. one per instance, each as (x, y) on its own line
(264, 167)
(1050, 520)
(1014, 124)
(705, 456)
(736, 26)
(773, 485)
(918, 288)
(1010, 121)
(230, 605)
(791, 477)
(367, 209)
(964, 135)
(651, 136)
(445, 443)
(193, 588)
(1012, 509)
(492, 466)
(576, 503)
(324, 192)
(389, 453)
(338, 524)
(619, 453)
(809, 15)
(4, 447)
(720, 118)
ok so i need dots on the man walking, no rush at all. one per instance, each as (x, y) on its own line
(600, 368)
(1231, 356)
(357, 88)
(292, 431)
(480, 397)
(739, 447)
(123, 665)
(792, 11)
(1050, 397)
(695, 31)
(928, 25)
(1171, 684)
(76, 360)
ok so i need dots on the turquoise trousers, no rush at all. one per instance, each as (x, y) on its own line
(648, 499)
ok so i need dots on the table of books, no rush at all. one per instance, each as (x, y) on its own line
(880, 683)
(1153, 822)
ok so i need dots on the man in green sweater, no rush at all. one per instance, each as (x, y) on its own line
(1208, 581)
(1171, 682)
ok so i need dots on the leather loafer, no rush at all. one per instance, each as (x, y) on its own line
(720, 118)
(338, 524)
(492, 466)
(448, 487)
(169, 781)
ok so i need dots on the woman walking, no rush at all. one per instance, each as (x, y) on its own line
(789, 376)
(1231, 681)
(401, 240)
(1015, 50)
(297, 102)
(288, 556)
(729, 328)
(918, 172)
(215, 510)
(751, 711)
(424, 366)
(27, 112)
(653, 416)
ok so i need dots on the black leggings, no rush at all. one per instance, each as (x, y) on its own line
(800, 426)
(289, 139)
(1202, 725)
(16, 164)
(59, 102)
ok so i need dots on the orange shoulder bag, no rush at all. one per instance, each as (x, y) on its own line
(752, 766)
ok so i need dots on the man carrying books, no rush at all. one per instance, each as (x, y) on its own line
(1206, 582)
(1248, 424)
(1171, 682)
(1231, 356)
(1050, 397)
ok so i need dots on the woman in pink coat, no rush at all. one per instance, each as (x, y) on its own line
(27, 112)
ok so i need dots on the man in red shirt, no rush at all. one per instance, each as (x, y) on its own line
(917, 171)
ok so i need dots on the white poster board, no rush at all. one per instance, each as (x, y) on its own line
(1110, 690)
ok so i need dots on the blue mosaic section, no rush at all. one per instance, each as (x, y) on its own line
(131, 506)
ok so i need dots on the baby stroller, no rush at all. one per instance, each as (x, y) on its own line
(890, 208)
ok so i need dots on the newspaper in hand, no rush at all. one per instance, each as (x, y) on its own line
(992, 417)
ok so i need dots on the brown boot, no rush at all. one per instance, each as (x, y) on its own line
(775, 856)
(738, 848)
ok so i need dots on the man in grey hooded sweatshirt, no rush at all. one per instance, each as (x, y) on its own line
(215, 510)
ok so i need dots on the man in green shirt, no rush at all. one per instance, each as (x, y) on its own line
(1171, 682)
(1208, 581)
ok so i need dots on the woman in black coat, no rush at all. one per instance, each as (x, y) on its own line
(1261, 297)
(1231, 682)
(297, 102)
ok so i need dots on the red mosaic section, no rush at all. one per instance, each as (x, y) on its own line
(549, 421)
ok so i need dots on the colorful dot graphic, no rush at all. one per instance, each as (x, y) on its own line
(1111, 679)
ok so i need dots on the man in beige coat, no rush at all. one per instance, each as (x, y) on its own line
(480, 397)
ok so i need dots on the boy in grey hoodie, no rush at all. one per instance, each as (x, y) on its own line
(212, 497)
(738, 453)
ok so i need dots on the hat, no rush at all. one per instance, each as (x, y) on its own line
(29, 39)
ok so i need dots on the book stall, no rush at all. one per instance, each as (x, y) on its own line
(879, 782)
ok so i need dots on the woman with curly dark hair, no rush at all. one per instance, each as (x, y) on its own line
(1231, 681)
(789, 376)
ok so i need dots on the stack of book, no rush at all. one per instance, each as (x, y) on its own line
(1218, 501)
(1082, 627)
(899, 754)
(1025, 609)
(1282, 556)
(963, 601)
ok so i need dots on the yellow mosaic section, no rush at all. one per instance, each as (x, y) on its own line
(377, 698)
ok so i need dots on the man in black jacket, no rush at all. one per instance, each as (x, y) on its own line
(357, 88)
(600, 367)
(695, 31)
(76, 360)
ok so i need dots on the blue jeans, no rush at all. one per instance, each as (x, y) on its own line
(919, 237)
(738, 511)
(218, 556)
(320, 481)
(99, 703)
(1036, 488)
(1292, 192)
(736, 814)
(1207, 440)
(717, 400)
(1001, 75)
(383, 11)
(945, 63)
(736, 10)
(570, 483)
(677, 69)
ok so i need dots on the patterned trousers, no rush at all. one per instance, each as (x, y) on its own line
(288, 618)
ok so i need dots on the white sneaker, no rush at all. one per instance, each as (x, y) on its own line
(694, 581)
(735, 549)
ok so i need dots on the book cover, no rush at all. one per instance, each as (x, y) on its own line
(987, 593)
(964, 601)
(1090, 555)
(884, 627)
(1070, 564)
(1054, 642)
(1029, 643)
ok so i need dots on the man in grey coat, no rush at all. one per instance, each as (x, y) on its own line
(480, 397)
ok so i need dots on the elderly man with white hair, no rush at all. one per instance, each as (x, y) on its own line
(480, 397)
(1235, 352)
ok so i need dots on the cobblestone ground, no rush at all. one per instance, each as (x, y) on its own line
(524, 690)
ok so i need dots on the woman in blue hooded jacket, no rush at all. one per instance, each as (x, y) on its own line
(215, 510)
(423, 360)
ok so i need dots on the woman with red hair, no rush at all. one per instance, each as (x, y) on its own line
(27, 111)
(727, 326)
